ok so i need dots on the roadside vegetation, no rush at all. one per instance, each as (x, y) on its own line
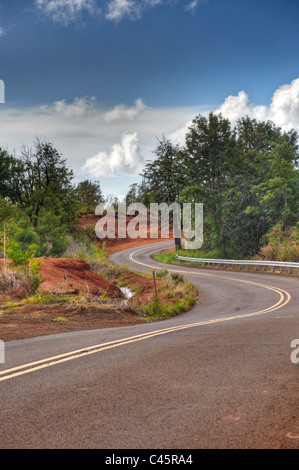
(174, 293)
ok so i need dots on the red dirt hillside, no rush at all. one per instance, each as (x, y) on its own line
(66, 274)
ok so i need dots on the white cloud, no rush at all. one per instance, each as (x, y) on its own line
(192, 5)
(122, 112)
(124, 159)
(79, 107)
(66, 11)
(118, 9)
(2, 31)
(283, 109)
(179, 136)
(132, 9)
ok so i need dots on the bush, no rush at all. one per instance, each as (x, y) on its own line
(20, 282)
(162, 273)
(283, 244)
(177, 278)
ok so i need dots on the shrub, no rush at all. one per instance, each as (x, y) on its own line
(283, 244)
(20, 282)
(162, 273)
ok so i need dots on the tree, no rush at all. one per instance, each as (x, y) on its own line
(264, 190)
(209, 160)
(90, 194)
(132, 194)
(8, 167)
(40, 179)
(164, 176)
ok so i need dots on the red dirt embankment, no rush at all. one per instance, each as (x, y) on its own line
(66, 274)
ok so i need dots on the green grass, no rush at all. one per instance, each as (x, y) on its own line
(169, 258)
(176, 295)
(42, 298)
(157, 309)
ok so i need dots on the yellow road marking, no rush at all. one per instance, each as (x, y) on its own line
(290, 435)
(284, 298)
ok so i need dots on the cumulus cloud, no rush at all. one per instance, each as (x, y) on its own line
(283, 109)
(122, 112)
(79, 107)
(66, 11)
(124, 159)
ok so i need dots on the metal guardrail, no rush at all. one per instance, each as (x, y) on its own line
(233, 262)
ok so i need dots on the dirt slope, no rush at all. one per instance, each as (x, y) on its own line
(66, 274)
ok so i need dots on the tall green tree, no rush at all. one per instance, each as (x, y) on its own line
(90, 193)
(40, 179)
(264, 190)
(163, 175)
(209, 160)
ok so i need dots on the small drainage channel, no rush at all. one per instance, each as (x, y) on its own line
(127, 293)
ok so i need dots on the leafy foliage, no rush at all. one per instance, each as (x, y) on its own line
(39, 205)
(90, 193)
(246, 177)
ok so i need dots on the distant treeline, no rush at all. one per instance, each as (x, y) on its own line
(246, 176)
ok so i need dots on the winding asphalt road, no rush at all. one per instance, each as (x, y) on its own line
(219, 376)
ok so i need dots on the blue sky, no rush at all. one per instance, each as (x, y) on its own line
(103, 79)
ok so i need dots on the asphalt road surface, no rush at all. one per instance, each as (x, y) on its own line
(219, 376)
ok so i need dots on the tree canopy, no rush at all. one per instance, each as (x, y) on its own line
(246, 177)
